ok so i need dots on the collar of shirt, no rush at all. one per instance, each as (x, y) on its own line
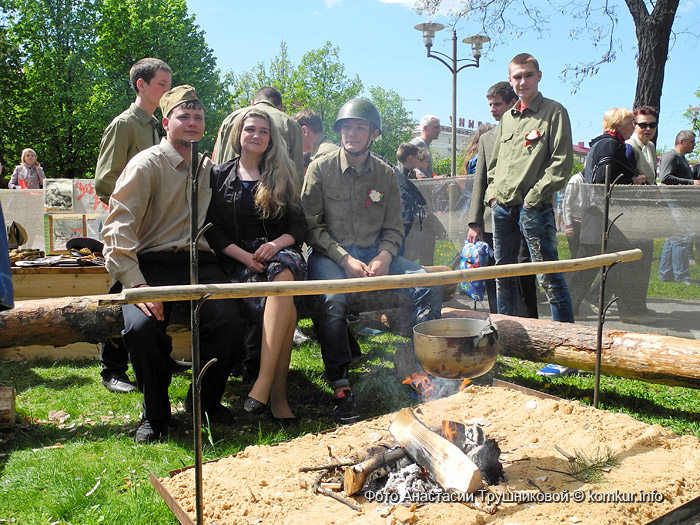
(518, 110)
(174, 158)
(143, 117)
(345, 164)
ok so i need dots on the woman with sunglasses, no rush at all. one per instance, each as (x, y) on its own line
(641, 151)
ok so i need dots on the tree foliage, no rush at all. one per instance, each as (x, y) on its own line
(320, 82)
(67, 64)
(596, 20)
(396, 121)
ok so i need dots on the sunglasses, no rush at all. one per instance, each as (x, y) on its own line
(645, 125)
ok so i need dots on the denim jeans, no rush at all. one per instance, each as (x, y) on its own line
(333, 326)
(539, 230)
(675, 259)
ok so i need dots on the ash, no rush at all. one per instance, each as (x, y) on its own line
(403, 485)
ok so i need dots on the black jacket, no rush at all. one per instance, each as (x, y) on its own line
(224, 216)
(605, 150)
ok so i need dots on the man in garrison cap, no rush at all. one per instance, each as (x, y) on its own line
(147, 239)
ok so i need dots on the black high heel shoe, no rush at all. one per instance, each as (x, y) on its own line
(254, 406)
(285, 422)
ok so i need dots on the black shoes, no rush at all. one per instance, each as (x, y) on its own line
(119, 384)
(150, 432)
(254, 406)
(345, 410)
(217, 413)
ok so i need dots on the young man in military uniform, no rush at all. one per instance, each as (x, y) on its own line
(352, 207)
(147, 241)
(131, 132)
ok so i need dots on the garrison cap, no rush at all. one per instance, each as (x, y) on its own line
(175, 97)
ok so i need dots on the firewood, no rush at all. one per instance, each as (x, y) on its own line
(354, 477)
(7, 407)
(450, 467)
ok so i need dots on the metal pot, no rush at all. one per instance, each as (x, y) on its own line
(456, 348)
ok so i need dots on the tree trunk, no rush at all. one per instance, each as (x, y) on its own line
(653, 33)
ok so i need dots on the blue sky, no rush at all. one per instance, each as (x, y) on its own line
(377, 41)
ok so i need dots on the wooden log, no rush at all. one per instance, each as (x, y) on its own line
(385, 282)
(59, 321)
(450, 467)
(355, 476)
(7, 407)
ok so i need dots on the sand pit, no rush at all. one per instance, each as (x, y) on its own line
(657, 471)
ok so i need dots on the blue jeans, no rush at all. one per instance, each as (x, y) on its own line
(675, 259)
(333, 325)
(539, 230)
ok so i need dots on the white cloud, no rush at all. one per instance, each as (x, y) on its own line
(406, 3)
(331, 3)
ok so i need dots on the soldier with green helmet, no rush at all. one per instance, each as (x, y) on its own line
(353, 210)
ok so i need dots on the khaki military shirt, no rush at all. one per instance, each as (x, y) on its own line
(131, 132)
(532, 156)
(322, 146)
(344, 207)
(149, 211)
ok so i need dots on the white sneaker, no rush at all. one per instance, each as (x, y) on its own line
(299, 337)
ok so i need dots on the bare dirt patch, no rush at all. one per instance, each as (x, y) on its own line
(657, 471)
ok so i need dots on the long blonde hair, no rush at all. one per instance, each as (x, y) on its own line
(278, 188)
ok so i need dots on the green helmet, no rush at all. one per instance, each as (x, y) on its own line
(360, 108)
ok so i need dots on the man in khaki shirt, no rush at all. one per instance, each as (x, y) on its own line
(352, 206)
(129, 133)
(531, 160)
(147, 238)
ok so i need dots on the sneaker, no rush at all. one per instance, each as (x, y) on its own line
(150, 432)
(552, 370)
(299, 337)
(345, 410)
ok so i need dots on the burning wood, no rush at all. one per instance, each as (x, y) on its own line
(450, 467)
(355, 477)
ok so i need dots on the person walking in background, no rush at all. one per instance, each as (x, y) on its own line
(29, 175)
(429, 131)
(675, 170)
(258, 230)
(131, 132)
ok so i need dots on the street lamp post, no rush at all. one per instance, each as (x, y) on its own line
(452, 63)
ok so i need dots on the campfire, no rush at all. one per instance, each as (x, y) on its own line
(419, 465)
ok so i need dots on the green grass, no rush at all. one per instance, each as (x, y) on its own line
(59, 485)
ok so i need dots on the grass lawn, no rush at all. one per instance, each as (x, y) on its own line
(72, 459)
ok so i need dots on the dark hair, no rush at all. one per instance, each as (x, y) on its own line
(190, 104)
(405, 150)
(503, 90)
(646, 110)
(310, 119)
(686, 134)
(146, 68)
(270, 95)
(524, 58)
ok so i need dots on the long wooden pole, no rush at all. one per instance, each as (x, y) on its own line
(387, 282)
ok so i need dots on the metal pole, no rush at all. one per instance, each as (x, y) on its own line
(194, 321)
(453, 172)
(602, 308)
